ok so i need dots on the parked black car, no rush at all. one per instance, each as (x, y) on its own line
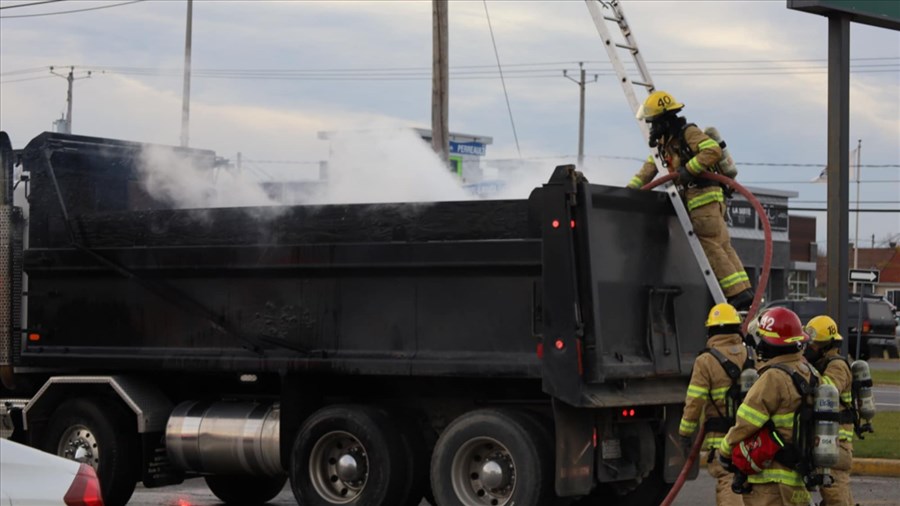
(878, 324)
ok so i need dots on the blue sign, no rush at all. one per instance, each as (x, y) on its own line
(467, 148)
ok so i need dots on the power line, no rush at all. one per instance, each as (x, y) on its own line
(502, 81)
(71, 11)
(29, 4)
(24, 79)
(820, 210)
(818, 182)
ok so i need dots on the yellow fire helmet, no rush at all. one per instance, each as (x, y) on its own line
(723, 314)
(657, 103)
(822, 329)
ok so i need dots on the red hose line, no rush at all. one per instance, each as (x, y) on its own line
(757, 298)
(688, 464)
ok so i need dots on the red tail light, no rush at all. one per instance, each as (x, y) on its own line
(866, 327)
(85, 489)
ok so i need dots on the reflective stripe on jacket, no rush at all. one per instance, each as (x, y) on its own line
(708, 153)
(709, 386)
(773, 397)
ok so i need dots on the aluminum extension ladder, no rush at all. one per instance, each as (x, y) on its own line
(628, 86)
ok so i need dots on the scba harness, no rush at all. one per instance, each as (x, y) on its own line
(758, 452)
(733, 396)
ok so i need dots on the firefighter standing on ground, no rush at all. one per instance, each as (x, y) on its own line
(823, 352)
(685, 149)
(708, 391)
(771, 405)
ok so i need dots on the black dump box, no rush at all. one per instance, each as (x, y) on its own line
(594, 288)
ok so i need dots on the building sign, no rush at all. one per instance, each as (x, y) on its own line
(740, 214)
(467, 148)
(778, 216)
(882, 13)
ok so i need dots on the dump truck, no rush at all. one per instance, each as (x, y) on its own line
(481, 352)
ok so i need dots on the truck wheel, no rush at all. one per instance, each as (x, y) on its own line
(492, 457)
(349, 455)
(245, 490)
(105, 438)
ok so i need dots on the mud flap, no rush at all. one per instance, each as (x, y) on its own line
(674, 456)
(575, 448)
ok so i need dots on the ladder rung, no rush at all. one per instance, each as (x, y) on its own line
(626, 46)
(645, 85)
(612, 18)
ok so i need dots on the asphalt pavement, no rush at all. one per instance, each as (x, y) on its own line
(867, 491)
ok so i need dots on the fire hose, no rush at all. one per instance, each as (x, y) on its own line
(757, 298)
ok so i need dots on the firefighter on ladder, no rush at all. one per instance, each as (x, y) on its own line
(768, 410)
(707, 394)
(685, 149)
(824, 352)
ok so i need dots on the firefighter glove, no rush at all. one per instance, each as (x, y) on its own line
(726, 462)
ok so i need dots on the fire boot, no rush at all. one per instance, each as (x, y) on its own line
(742, 300)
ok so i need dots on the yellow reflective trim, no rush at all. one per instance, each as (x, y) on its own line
(711, 443)
(784, 476)
(719, 393)
(724, 447)
(733, 279)
(753, 416)
(650, 159)
(687, 426)
(847, 398)
(845, 435)
(635, 182)
(784, 420)
(707, 144)
(706, 198)
(694, 166)
(697, 392)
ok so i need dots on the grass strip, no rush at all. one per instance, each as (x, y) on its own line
(885, 442)
(880, 377)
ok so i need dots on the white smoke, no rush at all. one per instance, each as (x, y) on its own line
(386, 164)
(184, 181)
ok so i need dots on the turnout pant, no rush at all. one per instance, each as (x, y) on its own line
(839, 494)
(777, 494)
(724, 495)
(712, 231)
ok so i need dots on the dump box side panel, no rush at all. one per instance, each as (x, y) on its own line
(437, 288)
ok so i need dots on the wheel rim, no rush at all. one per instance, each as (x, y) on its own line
(483, 473)
(339, 467)
(79, 443)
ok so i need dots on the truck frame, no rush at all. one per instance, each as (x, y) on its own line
(484, 352)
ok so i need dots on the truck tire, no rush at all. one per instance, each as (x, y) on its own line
(245, 490)
(418, 449)
(492, 457)
(349, 455)
(99, 432)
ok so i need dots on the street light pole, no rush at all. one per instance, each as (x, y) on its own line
(580, 82)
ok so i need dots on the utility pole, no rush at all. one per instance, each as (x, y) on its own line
(580, 83)
(70, 78)
(186, 93)
(856, 238)
(440, 136)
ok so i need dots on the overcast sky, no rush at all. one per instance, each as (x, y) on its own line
(269, 75)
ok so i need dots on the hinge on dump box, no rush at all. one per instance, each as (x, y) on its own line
(662, 334)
